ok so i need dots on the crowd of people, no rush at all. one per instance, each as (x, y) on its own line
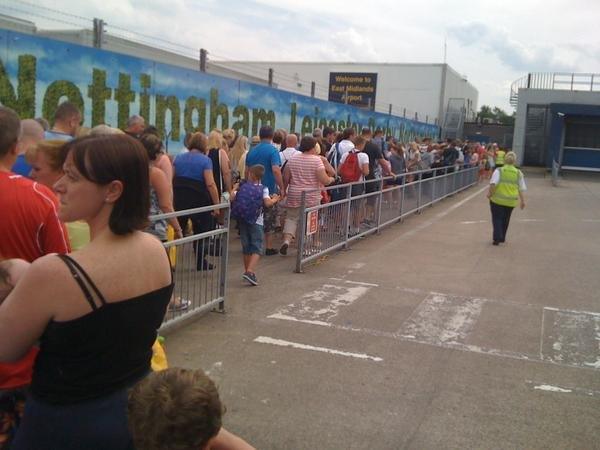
(75, 334)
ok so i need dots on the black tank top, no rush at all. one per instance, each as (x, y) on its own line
(213, 154)
(101, 352)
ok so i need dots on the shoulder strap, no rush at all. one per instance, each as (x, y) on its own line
(83, 280)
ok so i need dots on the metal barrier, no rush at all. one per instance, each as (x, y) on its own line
(362, 208)
(199, 263)
(555, 172)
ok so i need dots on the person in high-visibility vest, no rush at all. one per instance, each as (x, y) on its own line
(500, 155)
(506, 192)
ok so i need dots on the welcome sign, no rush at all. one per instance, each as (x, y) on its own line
(37, 74)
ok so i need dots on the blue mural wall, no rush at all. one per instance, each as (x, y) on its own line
(36, 74)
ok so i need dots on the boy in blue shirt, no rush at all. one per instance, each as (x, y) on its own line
(247, 207)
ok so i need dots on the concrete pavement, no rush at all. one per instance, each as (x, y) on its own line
(425, 336)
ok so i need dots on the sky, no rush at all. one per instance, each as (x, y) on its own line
(492, 43)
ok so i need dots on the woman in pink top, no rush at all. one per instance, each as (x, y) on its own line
(304, 172)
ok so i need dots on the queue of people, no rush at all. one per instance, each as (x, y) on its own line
(74, 199)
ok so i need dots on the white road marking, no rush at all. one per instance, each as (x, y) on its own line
(530, 220)
(563, 389)
(471, 222)
(331, 351)
(443, 319)
(362, 283)
(294, 319)
(571, 337)
(322, 305)
(547, 387)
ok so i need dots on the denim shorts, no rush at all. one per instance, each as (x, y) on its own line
(251, 236)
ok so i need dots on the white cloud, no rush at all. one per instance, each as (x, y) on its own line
(492, 43)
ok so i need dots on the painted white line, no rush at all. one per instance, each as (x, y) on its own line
(471, 222)
(362, 283)
(530, 220)
(441, 318)
(562, 389)
(294, 319)
(571, 311)
(324, 304)
(547, 387)
(331, 351)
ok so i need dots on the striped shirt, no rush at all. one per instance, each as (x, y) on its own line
(303, 170)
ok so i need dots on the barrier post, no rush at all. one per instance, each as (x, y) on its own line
(380, 204)
(301, 233)
(348, 215)
(224, 245)
(420, 193)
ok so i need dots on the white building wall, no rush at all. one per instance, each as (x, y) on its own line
(414, 87)
(544, 97)
(457, 86)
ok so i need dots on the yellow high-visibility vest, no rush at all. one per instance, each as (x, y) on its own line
(500, 157)
(507, 189)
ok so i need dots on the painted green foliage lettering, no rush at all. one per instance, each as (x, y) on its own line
(124, 96)
(23, 102)
(145, 84)
(306, 127)
(55, 95)
(99, 93)
(163, 104)
(242, 125)
(194, 104)
(260, 117)
(218, 110)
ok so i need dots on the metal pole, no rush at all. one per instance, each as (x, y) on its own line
(346, 96)
(270, 77)
(203, 58)
(301, 232)
(312, 89)
(380, 204)
(390, 110)
(528, 80)
(592, 83)
(224, 258)
(98, 32)
(404, 113)
(572, 79)
(420, 192)
(348, 214)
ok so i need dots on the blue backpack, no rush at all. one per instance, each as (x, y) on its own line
(248, 202)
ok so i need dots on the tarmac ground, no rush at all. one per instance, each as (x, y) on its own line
(422, 337)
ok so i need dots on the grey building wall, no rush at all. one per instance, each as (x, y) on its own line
(544, 97)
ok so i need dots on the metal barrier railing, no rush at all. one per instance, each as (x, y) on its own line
(362, 208)
(199, 263)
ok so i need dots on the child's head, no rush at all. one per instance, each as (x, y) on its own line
(256, 172)
(175, 409)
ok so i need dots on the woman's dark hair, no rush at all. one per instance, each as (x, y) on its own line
(152, 144)
(307, 143)
(198, 141)
(118, 157)
(151, 129)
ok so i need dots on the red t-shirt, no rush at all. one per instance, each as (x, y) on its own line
(29, 228)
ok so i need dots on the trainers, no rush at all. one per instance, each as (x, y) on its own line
(250, 278)
(179, 304)
(271, 251)
(284, 248)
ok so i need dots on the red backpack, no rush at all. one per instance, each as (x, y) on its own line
(350, 169)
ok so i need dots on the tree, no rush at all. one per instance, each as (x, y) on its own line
(497, 115)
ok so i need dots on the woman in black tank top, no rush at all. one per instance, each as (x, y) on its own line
(95, 313)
